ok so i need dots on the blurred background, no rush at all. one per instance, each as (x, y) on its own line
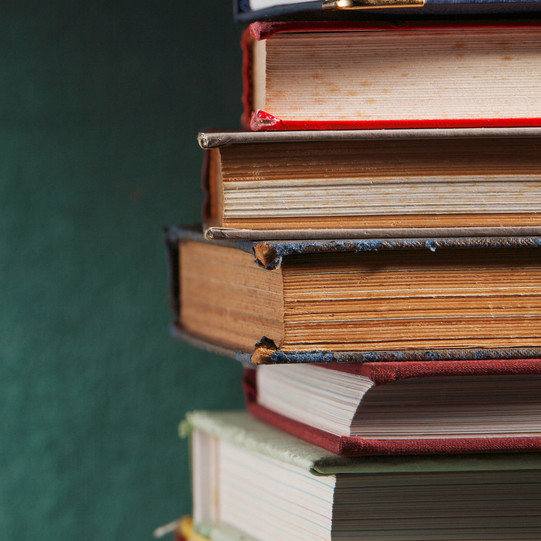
(100, 104)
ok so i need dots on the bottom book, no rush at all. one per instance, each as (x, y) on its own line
(254, 482)
(185, 531)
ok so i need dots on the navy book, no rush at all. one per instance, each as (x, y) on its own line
(256, 10)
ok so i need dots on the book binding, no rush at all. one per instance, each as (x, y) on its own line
(269, 255)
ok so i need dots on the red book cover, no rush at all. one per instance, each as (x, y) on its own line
(385, 373)
(266, 120)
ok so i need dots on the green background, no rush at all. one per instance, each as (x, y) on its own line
(100, 104)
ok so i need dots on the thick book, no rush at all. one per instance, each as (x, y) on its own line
(403, 407)
(358, 300)
(258, 10)
(370, 183)
(367, 75)
(252, 478)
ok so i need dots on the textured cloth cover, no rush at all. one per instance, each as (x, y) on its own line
(382, 373)
(243, 430)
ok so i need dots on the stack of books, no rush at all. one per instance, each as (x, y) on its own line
(371, 251)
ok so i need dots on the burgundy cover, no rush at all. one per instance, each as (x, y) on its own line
(382, 373)
(263, 121)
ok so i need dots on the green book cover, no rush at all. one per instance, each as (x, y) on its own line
(241, 429)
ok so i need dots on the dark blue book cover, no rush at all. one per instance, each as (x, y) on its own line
(255, 10)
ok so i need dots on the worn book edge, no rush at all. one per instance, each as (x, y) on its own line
(269, 255)
(230, 233)
(217, 139)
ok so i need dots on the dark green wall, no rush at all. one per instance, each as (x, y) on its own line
(100, 103)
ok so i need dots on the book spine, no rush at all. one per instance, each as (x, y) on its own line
(172, 253)
(205, 209)
(246, 46)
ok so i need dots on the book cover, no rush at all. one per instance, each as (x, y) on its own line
(372, 183)
(256, 323)
(250, 10)
(390, 74)
(242, 430)
(457, 407)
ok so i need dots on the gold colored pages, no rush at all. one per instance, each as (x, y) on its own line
(457, 298)
(370, 301)
(226, 298)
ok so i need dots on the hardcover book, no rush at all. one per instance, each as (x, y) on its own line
(254, 479)
(257, 10)
(403, 407)
(370, 183)
(346, 300)
(367, 75)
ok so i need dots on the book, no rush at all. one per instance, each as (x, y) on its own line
(358, 300)
(257, 10)
(186, 532)
(182, 530)
(369, 183)
(251, 478)
(368, 75)
(403, 407)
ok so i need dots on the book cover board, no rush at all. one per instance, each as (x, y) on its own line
(241, 429)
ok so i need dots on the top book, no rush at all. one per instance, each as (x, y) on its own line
(252, 10)
(366, 75)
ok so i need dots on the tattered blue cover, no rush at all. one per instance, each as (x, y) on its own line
(269, 254)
